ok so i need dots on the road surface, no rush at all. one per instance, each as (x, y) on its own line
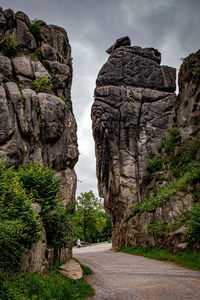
(121, 276)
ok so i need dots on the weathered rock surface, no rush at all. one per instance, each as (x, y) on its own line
(38, 126)
(188, 114)
(134, 105)
(71, 269)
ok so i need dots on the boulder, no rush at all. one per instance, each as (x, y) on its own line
(71, 269)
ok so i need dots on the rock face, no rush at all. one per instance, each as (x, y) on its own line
(134, 105)
(37, 123)
(144, 170)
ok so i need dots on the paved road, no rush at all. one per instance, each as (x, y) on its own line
(121, 276)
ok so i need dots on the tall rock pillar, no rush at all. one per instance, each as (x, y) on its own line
(37, 121)
(134, 105)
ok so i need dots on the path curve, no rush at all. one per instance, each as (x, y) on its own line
(121, 276)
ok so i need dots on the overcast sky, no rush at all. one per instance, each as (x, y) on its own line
(171, 26)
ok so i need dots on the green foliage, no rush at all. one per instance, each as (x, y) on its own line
(58, 225)
(41, 185)
(68, 105)
(158, 229)
(19, 224)
(41, 85)
(88, 219)
(197, 74)
(155, 253)
(37, 55)
(162, 195)
(154, 164)
(36, 29)
(54, 80)
(22, 98)
(10, 46)
(187, 259)
(171, 140)
(193, 233)
(40, 124)
(37, 110)
(52, 286)
(61, 96)
(184, 64)
(106, 233)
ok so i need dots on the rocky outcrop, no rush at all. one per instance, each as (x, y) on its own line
(37, 121)
(134, 105)
(71, 269)
(188, 113)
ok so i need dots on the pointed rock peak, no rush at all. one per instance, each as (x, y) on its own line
(124, 41)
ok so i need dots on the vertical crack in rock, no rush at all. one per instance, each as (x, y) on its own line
(134, 105)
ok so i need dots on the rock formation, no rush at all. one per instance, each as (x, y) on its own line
(37, 121)
(135, 103)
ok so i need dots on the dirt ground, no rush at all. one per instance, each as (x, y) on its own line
(121, 276)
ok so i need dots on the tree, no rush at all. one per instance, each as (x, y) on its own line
(89, 220)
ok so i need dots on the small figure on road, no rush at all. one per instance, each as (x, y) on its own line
(78, 243)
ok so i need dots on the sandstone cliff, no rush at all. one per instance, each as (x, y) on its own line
(37, 121)
(134, 105)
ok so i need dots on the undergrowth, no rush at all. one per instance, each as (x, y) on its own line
(50, 286)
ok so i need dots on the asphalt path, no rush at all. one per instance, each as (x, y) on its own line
(121, 276)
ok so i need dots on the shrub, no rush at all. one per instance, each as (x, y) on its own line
(193, 233)
(41, 185)
(154, 164)
(36, 29)
(19, 224)
(41, 85)
(10, 46)
(58, 226)
(172, 139)
(197, 74)
(158, 229)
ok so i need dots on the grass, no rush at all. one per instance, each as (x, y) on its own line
(50, 286)
(187, 259)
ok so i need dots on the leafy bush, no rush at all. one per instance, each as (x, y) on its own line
(41, 185)
(193, 233)
(172, 139)
(19, 224)
(36, 29)
(58, 226)
(41, 85)
(158, 229)
(154, 164)
(10, 46)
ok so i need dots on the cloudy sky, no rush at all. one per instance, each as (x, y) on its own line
(171, 26)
